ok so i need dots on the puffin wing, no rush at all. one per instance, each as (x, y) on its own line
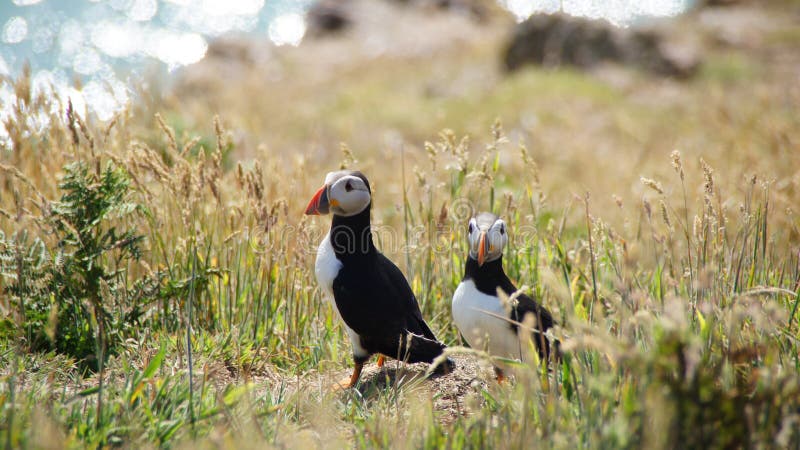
(377, 300)
(526, 305)
(406, 299)
(544, 320)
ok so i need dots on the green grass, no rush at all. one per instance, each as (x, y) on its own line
(729, 67)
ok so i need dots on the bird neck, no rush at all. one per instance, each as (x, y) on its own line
(489, 276)
(351, 236)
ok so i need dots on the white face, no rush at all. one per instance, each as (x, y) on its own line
(348, 195)
(492, 231)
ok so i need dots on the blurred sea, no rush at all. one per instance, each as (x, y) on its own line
(109, 44)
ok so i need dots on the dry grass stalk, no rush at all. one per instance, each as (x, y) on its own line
(349, 160)
(652, 184)
(676, 163)
(169, 133)
(665, 214)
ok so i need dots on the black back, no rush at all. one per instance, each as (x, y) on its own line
(491, 276)
(374, 298)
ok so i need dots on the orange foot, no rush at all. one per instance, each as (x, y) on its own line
(381, 360)
(501, 377)
(342, 385)
(347, 383)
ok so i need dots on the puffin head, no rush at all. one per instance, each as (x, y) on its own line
(345, 193)
(487, 237)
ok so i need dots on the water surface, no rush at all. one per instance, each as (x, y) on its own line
(109, 44)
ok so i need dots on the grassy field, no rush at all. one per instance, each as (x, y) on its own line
(157, 271)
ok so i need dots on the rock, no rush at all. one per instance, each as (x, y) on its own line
(231, 49)
(742, 27)
(475, 9)
(703, 3)
(328, 17)
(557, 39)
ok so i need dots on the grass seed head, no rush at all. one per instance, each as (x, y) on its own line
(665, 214)
(349, 159)
(647, 208)
(652, 184)
(676, 163)
(169, 133)
(708, 178)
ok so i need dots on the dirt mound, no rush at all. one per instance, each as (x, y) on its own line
(451, 393)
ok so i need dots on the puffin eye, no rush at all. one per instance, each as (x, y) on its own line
(470, 228)
(348, 187)
(502, 229)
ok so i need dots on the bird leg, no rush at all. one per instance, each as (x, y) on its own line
(344, 383)
(381, 360)
(501, 377)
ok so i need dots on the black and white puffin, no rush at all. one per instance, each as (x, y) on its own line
(482, 318)
(370, 293)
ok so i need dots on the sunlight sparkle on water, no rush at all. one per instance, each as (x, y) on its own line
(618, 12)
(15, 30)
(106, 97)
(108, 44)
(112, 39)
(175, 49)
(143, 10)
(287, 29)
(212, 17)
(87, 61)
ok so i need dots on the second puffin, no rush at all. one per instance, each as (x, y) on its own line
(481, 316)
(370, 294)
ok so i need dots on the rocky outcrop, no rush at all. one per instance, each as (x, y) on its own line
(703, 3)
(557, 39)
(328, 17)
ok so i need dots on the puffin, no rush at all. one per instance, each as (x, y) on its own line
(369, 293)
(484, 320)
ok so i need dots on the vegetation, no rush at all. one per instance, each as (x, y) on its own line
(158, 286)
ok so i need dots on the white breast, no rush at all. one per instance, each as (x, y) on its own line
(326, 268)
(481, 320)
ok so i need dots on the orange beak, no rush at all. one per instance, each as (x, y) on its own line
(482, 249)
(319, 203)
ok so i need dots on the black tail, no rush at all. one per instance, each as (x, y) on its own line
(546, 351)
(414, 348)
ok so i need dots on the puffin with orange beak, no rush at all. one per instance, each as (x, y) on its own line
(484, 320)
(370, 294)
